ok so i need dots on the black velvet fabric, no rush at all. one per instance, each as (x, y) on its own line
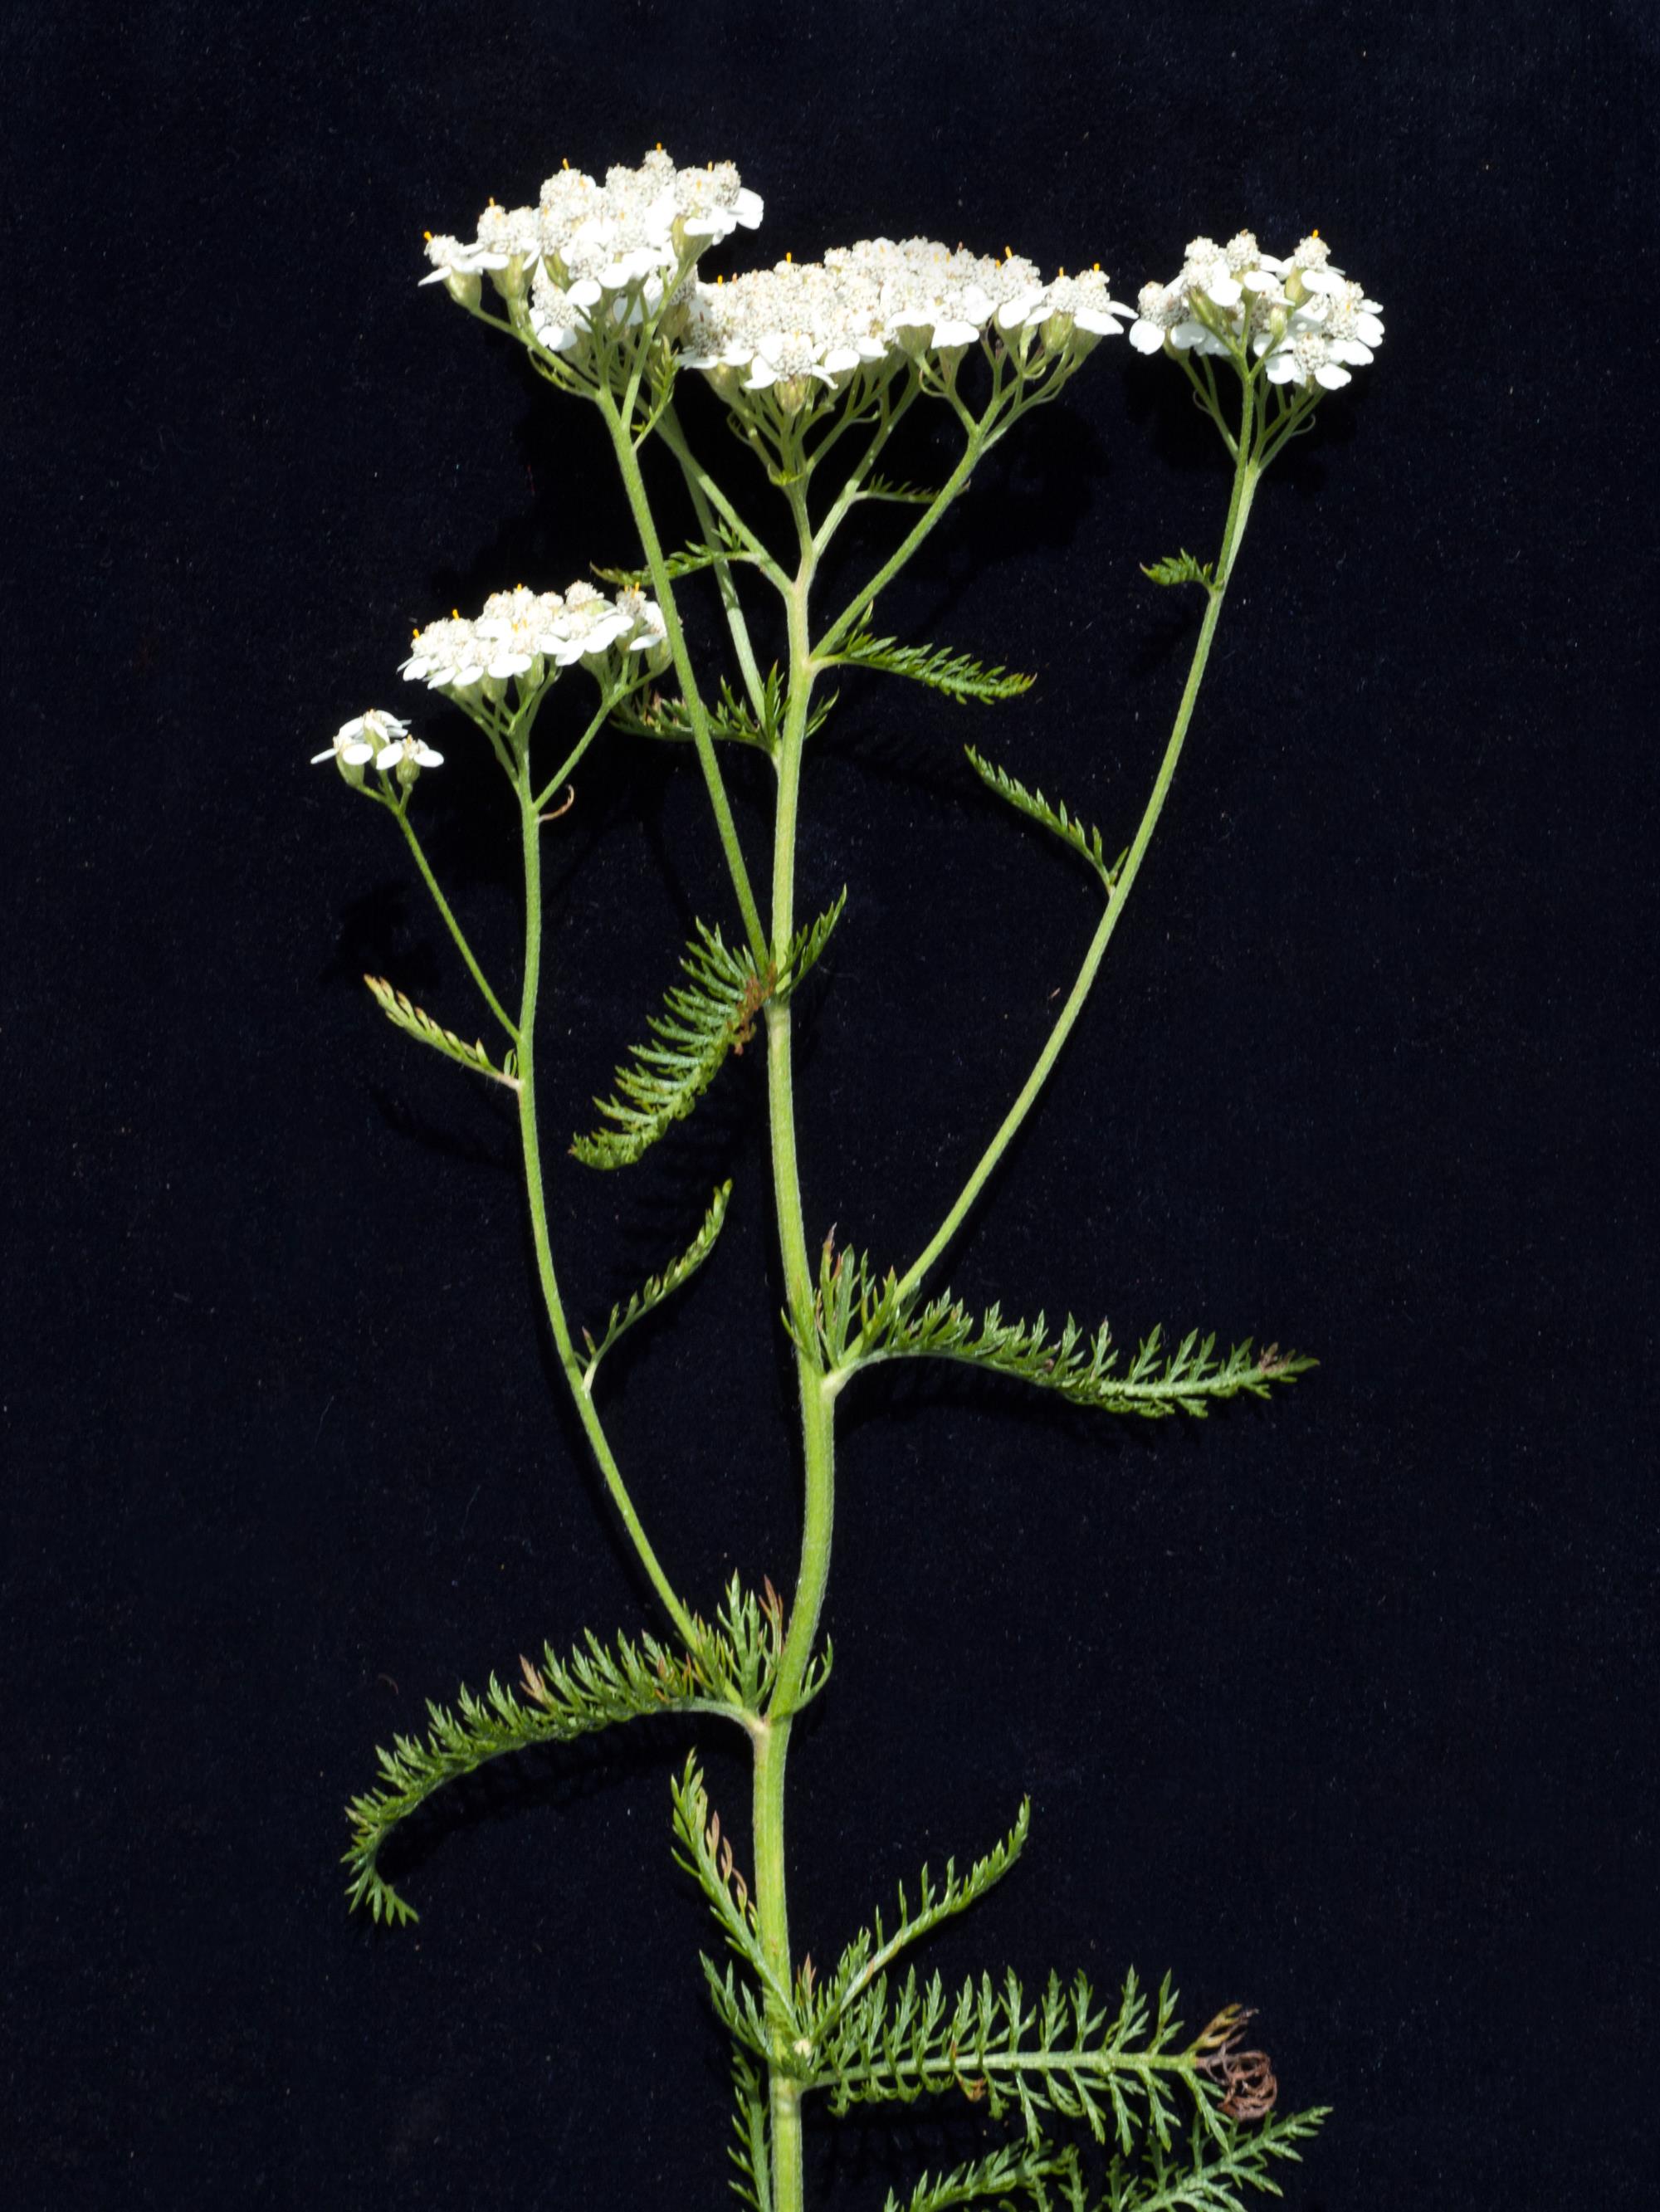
(1342, 1707)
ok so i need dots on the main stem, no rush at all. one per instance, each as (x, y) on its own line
(772, 1734)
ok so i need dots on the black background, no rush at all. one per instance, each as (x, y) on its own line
(1345, 1705)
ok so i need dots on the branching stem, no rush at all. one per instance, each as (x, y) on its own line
(401, 811)
(1247, 472)
(627, 461)
(569, 1359)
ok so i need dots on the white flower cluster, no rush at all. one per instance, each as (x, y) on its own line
(585, 242)
(880, 300)
(379, 736)
(520, 632)
(1312, 323)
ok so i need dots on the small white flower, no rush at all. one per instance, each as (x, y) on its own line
(406, 752)
(356, 742)
(1301, 317)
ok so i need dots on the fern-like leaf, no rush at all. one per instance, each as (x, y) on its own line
(706, 1855)
(872, 1951)
(1082, 838)
(554, 1702)
(906, 494)
(1018, 2170)
(405, 1015)
(861, 1320)
(713, 1014)
(1182, 569)
(958, 675)
(1207, 2172)
(728, 545)
(729, 717)
(656, 1288)
(1059, 2052)
(750, 2153)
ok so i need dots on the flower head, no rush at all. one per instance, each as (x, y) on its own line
(529, 637)
(1301, 316)
(619, 243)
(805, 326)
(366, 738)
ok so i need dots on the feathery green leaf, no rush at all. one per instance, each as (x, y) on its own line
(958, 675)
(712, 1015)
(728, 545)
(863, 1320)
(749, 2155)
(707, 1857)
(405, 1015)
(656, 1288)
(1081, 837)
(1208, 2171)
(1020, 2169)
(907, 495)
(730, 1673)
(1182, 569)
(729, 717)
(1059, 2052)
(872, 1951)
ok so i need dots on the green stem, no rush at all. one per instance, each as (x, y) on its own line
(980, 436)
(569, 1360)
(608, 704)
(628, 462)
(696, 479)
(772, 1734)
(888, 421)
(1247, 473)
(454, 926)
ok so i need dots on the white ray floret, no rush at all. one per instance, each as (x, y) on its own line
(356, 743)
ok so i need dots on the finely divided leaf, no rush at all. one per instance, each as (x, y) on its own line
(958, 675)
(558, 1700)
(1182, 569)
(1080, 835)
(405, 1015)
(872, 1951)
(863, 1320)
(656, 1288)
(729, 1671)
(907, 495)
(730, 718)
(714, 1013)
(727, 546)
(711, 1015)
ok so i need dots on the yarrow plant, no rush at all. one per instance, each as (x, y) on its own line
(819, 363)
